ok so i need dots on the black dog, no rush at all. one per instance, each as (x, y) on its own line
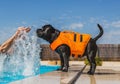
(50, 34)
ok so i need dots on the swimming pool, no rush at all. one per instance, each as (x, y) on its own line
(23, 61)
(7, 77)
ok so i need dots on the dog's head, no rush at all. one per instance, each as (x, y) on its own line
(46, 32)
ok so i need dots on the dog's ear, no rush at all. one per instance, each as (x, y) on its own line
(52, 29)
(47, 25)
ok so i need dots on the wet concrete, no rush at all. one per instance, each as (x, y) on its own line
(56, 77)
(108, 73)
(103, 75)
(99, 79)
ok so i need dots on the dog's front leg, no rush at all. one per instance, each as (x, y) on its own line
(59, 51)
(66, 62)
(64, 53)
(62, 61)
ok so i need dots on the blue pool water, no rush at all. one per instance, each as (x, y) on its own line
(23, 60)
(7, 77)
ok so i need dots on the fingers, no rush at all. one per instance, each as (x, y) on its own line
(27, 29)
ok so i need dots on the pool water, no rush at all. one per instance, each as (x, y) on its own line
(45, 69)
(23, 60)
(7, 77)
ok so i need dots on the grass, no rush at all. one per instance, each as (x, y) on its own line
(98, 61)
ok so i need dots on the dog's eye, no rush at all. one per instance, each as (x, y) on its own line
(44, 29)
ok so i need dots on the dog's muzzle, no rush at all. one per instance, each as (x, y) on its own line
(39, 32)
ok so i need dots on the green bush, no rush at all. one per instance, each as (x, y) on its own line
(97, 60)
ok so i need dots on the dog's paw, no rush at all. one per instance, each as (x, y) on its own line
(65, 69)
(90, 73)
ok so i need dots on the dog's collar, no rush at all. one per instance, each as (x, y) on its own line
(54, 36)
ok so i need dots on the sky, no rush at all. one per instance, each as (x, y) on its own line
(76, 15)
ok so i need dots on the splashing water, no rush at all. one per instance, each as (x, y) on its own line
(24, 59)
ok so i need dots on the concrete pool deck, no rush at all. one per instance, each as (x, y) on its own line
(108, 73)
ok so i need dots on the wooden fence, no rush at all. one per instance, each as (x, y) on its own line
(106, 52)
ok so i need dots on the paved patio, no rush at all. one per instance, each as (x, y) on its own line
(107, 73)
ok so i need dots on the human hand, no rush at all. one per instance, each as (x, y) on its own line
(27, 29)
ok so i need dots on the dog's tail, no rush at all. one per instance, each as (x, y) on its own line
(100, 34)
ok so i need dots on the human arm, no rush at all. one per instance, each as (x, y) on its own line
(8, 43)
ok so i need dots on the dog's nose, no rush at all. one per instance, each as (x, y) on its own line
(38, 30)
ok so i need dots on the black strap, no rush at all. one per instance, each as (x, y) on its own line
(75, 37)
(73, 55)
(79, 56)
(81, 38)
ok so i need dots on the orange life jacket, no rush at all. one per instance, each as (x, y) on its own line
(76, 41)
